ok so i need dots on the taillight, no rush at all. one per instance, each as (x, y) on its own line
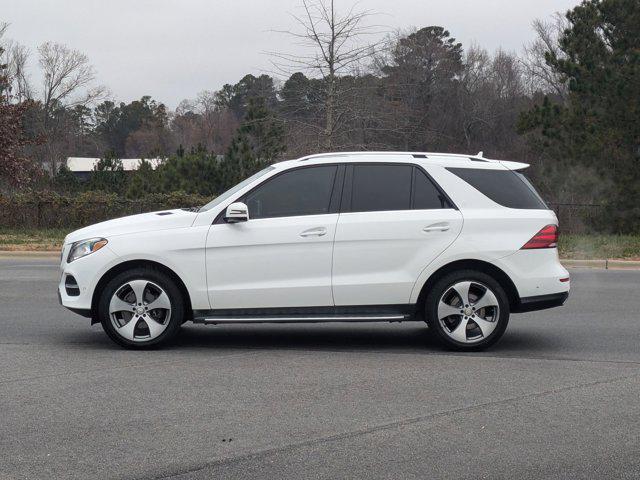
(545, 238)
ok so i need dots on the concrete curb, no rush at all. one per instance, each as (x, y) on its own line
(28, 254)
(622, 265)
(602, 264)
(597, 264)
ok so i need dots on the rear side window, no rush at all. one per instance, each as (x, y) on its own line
(306, 191)
(505, 187)
(425, 194)
(381, 187)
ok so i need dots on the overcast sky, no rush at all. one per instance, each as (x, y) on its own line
(173, 49)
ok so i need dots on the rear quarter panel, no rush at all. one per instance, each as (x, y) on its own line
(495, 234)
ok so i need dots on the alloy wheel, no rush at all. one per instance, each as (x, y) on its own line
(468, 312)
(140, 310)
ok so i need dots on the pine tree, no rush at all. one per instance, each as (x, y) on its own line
(108, 175)
(239, 163)
(142, 181)
(264, 132)
(258, 142)
(65, 181)
(598, 128)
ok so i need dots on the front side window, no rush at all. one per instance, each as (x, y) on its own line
(381, 187)
(306, 191)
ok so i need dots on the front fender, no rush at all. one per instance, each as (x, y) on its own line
(181, 250)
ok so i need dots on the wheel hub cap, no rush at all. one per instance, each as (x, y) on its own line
(140, 310)
(468, 312)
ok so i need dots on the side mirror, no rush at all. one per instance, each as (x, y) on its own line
(236, 212)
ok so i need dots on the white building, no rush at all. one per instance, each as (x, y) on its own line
(83, 166)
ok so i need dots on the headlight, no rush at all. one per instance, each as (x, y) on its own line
(85, 247)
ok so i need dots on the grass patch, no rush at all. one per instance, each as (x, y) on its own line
(577, 247)
(586, 247)
(19, 239)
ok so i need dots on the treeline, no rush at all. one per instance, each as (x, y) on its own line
(568, 104)
(197, 172)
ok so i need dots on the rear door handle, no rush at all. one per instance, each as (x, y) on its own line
(437, 227)
(314, 232)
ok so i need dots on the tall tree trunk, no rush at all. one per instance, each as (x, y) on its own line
(331, 87)
(330, 114)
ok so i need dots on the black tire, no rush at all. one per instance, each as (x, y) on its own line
(176, 299)
(442, 286)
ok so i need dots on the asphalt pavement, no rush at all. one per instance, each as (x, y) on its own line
(556, 398)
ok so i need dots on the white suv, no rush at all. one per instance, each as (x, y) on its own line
(457, 241)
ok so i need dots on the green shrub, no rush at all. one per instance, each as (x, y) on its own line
(52, 210)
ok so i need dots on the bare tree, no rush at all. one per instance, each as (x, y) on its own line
(491, 95)
(68, 84)
(15, 57)
(475, 104)
(540, 76)
(17, 66)
(202, 122)
(336, 45)
(15, 168)
(68, 77)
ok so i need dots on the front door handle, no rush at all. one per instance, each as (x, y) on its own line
(314, 232)
(437, 227)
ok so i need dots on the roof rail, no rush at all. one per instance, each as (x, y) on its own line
(322, 155)
(478, 158)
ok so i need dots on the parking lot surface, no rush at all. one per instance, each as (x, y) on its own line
(556, 398)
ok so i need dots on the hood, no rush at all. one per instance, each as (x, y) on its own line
(145, 222)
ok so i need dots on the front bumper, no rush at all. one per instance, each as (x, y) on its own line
(86, 272)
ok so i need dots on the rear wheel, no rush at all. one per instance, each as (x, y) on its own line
(467, 310)
(141, 308)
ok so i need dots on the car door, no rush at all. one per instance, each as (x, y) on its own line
(394, 221)
(281, 256)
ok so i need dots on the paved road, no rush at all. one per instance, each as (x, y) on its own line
(557, 398)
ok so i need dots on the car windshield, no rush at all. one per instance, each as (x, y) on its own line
(221, 198)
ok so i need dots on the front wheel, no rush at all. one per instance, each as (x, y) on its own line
(467, 310)
(141, 308)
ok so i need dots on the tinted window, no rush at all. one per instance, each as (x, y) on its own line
(306, 191)
(425, 194)
(222, 197)
(381, 187)
(507, 188)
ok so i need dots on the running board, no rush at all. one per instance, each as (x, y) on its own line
(215, 320)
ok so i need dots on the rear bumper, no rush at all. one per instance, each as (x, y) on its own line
(536, 274)
(541, 302)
